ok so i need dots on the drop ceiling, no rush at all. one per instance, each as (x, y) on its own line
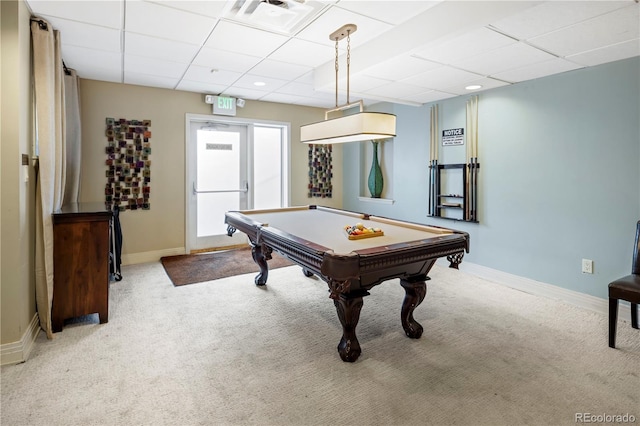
(408, 52)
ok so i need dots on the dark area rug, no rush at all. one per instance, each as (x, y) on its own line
(196, 268)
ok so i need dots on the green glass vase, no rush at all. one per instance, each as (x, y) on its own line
(376, 182)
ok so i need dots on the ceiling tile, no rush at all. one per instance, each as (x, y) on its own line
(302, 52)
(86, 35)
(394, 90)
(308, 91)
(270, 84)
(210, 8)
(283, 70)
(400, 67)
(204, 75)
(103, 13)
(442, 77)
(320, 29)
(612, 28)
(486, 83)
(357, 83)
(306, 78)
(221, 59)
(93, 64)
(503, 59)
(153, 47)
(541, 69)
(430, 96)
(200, 87)
(141, 79)
(151, 66)
(611, 53)
(239, 92)
(165, 22)
(239, 38)
(392, 12)
(283, 98)
(467, 45)
(553, 15)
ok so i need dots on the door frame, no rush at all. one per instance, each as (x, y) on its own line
(250, 123)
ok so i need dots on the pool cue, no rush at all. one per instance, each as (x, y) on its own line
(436, 175)
(432, 175)
(474, 157)
(468, 154)
(474, 215)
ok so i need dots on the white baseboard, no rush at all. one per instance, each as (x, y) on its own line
(150, 256)
(538, 288)
(17, 352)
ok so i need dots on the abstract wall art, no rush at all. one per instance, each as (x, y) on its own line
(128, 164)
(320, 171)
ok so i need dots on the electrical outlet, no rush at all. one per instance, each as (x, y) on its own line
(587, 266)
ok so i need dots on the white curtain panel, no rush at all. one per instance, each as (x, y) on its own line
(48, 78)
(73, 131)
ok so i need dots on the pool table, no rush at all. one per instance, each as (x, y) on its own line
(315, 238)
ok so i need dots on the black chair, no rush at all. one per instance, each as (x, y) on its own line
(625, 288)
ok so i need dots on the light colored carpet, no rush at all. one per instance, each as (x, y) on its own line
(229, 353)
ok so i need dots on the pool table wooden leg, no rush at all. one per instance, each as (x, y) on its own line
(348, 307)
(257, 251)
(416, 290)
(455, 260)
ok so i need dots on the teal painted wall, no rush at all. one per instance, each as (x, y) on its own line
(559, 178)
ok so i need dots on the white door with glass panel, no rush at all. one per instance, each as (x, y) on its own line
(219, 182)
(231, 167)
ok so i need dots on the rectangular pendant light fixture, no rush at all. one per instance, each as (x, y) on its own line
(350, 128)
(356, 127)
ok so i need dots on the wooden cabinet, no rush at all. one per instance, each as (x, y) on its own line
(80, 262)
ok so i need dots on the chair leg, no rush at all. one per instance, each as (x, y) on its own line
(613, 319)
(634, 315)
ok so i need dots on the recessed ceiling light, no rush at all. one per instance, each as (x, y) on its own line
(260, 83)
(474, 87)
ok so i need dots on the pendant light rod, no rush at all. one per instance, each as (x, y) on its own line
(337, 35)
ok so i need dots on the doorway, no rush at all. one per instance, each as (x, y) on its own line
(231, 165)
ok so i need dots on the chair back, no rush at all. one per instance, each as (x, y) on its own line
(635, 268)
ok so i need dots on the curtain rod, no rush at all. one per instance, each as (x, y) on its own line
(43, 26)
(41, 23)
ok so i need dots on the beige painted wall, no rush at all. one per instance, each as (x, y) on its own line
(162, 228)
(17, 199)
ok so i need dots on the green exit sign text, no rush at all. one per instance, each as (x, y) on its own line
(223, 105)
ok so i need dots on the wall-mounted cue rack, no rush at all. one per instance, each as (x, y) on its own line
(465, 195)
(466, 199)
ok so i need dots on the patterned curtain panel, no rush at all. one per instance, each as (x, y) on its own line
(320, 171)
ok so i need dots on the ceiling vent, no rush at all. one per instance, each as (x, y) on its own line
(278, 15)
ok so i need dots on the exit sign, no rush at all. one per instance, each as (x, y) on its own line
(223, 105)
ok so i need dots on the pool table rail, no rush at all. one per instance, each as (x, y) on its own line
(359, 269)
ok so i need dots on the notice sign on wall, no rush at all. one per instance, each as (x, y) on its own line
(453, 137)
